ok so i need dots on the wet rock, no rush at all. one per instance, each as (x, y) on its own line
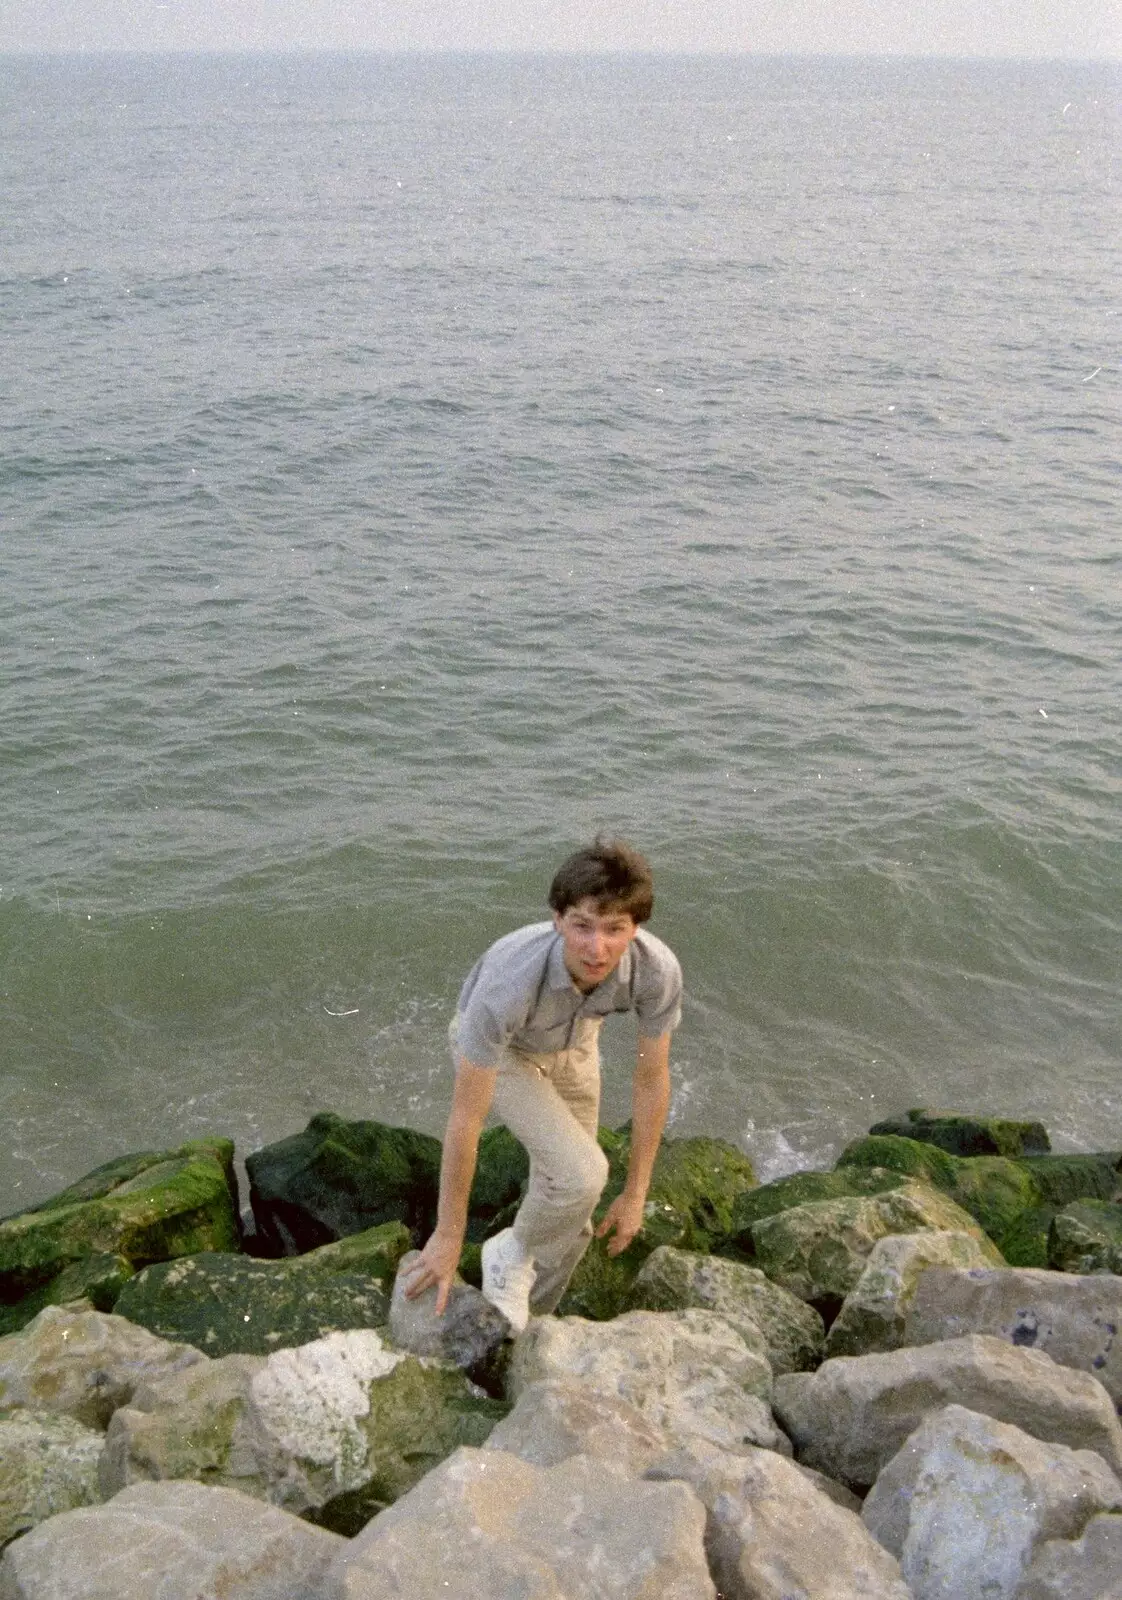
(84, 1363)
(967, 1500)
(126, 1214)
(333, 1430)
(800, 1189)
(771, 1534)
(1075, 1320)
(486, 1523)
(873, 1314)
(170, 1541)
(688, 1372)
(337, 1178)
(968, 1136)
(675, 1280)
(48, 1464)
(852, 1415)
(552, 1421)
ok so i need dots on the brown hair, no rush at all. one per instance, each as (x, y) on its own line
(608, 871)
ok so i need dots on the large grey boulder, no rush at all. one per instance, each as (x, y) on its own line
(688, 1372)
(84, 1363)
(818, 1251)
(852, 1415)
(771, 1534)
(1087, 1568)
(334, 1430)
(48, 1464)
(967, 1500)
(873, 1314)
(170, 1541)
(1075, 1320)
(552, 1421)
(675, 1280)
(488, 1524)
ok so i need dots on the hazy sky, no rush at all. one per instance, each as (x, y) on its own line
(1072, 28)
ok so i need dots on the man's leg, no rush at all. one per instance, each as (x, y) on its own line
(551, 1104)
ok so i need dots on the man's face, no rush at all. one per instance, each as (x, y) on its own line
(594, 940)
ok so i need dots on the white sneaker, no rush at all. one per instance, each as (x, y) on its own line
(508, 1277)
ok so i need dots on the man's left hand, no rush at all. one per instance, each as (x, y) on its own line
(623, 1219)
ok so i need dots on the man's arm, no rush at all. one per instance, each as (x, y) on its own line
(650, 1101)
(471, 1101)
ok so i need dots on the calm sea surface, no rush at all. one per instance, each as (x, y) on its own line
(410, 466)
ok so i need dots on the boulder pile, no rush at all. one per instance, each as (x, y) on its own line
(897, 1379)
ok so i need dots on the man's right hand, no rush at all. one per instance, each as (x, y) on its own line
(437, 1263)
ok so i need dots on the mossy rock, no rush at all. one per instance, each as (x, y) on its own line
(694, 1188)
(797, 1189)
(1062, 1179)
(1086, 1237)
(233, 1305)
(180, 1204)
(960, 1135)
(1025, 1242)
(96, 1281)
(337, 1178)
(375, 1253)
(993, 1189)
(818, 1251)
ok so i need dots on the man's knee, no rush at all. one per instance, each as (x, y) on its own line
(584, 1174)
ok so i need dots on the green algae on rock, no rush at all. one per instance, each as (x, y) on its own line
(694, 1187)
(961, 1135)
(139, 1209)
(993, 1189)
(797, 1189)
(337, 1178)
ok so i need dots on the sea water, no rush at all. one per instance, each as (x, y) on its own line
(411, 466)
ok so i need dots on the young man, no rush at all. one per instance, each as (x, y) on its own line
(526, 1041)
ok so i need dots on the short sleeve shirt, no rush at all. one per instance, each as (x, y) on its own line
(520, 995)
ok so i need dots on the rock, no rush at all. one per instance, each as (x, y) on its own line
(93, 1283)
(1086, 1236)
(552, 1421)
(969, 1136)
(688, 1372)
(227, 1305)
(1062, 1179)
(1075, 1320)
(993, 1189)
(799, 1189)
(1087, 1568)
(48, 1464)
(471, 1334)
(333, 1430)
(674, 1280)
(1025, 1241)
(967, 1501)
(694, 1187)
(164, 1206)
(84, 1363)
(852, 1415)
(818, 1251)
(487, 1524)
(338, 1178)
(772, 1535)
(170, 1541)
(872, 1315)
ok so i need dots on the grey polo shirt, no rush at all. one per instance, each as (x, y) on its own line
(520, 994)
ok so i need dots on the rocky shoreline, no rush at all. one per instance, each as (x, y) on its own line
(897, 1378)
